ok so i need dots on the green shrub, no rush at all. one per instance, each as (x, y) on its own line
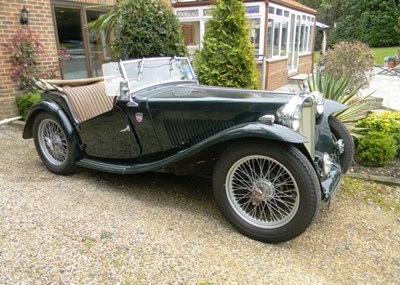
(142, 28)
(376, 149)
(25, 102)
(227, 56)
(351, 59)
(387, 122)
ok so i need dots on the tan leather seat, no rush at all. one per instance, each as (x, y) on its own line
(89, 101)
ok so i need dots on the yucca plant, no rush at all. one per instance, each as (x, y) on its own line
(343, 90)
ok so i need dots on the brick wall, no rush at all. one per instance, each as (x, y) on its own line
(277, 74)
(306, 64)
(41, 23)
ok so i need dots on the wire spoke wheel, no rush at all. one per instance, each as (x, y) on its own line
(53, 142)
(262, 191)
(267, 191)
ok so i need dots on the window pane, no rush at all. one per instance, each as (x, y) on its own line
(255, 34)
(98, 50)
(284, 38)
(306, 40)
(271, 10)
(310, 38)
(302, 34)
(69, 29)
(270, 38)
(277, 28)
(191, 35)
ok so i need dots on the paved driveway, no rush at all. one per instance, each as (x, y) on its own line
(95, 228)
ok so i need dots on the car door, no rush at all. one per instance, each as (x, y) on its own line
(110, 136)
(142, 125)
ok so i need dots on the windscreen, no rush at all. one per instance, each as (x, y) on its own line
(112, 78)
(143, 72)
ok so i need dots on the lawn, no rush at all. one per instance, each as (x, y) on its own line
(379, 54)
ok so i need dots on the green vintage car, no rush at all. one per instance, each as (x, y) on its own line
(273, 157)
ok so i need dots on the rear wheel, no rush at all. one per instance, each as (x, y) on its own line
(52, 145)
(268, 192)
(340, 132)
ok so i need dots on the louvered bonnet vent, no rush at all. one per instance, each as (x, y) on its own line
(183, 131)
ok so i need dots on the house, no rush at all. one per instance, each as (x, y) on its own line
(282, 32)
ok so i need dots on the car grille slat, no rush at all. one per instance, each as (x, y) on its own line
(183, 131)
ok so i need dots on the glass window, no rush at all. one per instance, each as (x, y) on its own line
(255, 34)
(284, 38)
(279, 12)
(310, 38)
(191, 33)
(191, 36)
(277, 28)
(97, 44)
(271, 10)
(270, 38)
(70, 39)
(86, 51)
(302, 37)
(306, 38)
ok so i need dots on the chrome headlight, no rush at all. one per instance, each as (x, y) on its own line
(319, 102)
(290, 114)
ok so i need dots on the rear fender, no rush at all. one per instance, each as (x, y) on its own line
(57, 112)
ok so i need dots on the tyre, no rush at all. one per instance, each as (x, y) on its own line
(52, 145)
(340, 132)
(268, 192)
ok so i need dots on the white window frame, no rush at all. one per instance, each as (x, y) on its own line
(304, 44)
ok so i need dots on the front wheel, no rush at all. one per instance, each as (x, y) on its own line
(340, 132)
(268, 192)
(52, 145)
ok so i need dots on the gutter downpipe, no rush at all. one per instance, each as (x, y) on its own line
(264, 59)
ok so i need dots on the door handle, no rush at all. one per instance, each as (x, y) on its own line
(127, 129)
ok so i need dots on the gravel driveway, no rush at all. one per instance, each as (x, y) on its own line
(96, 228)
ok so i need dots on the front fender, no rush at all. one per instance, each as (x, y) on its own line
(323, 134)
(331, 106)
(57, 112)
(258, 130)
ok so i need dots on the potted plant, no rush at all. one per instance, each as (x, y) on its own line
(391, 61)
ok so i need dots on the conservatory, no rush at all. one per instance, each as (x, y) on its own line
(282, 32)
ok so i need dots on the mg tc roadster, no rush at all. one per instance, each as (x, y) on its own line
(273, 157)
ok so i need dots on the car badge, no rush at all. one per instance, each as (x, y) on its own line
(139, 117)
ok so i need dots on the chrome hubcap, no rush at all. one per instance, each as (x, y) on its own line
(263, 191)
